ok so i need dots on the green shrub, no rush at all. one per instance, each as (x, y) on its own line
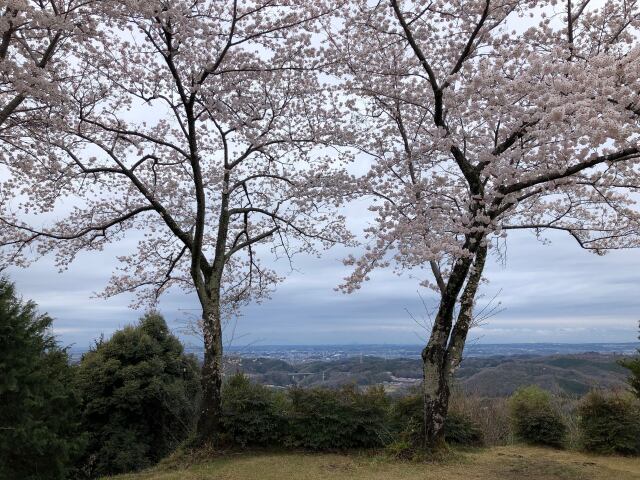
(39, 411)
(610, 423)
(323, 419)
(407, 425)
(402, 448)
(406, 420)
(317, 419)
(534, 419)
(459, 429)
(252, 414)
(139, 393)
(633, 365)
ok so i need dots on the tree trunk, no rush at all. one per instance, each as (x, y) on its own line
(209, 287)
(435, 384)
(209, 422)
(437, 371)
(435, 392)
(465, 316)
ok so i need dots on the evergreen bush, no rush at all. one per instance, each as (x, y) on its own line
(406, 419)
(323, 419)
(39, 411)
(633, 365)
(610, 423)
(252, 414)
(407, 424)
(459, 429)
(139, 393)
(534, 419)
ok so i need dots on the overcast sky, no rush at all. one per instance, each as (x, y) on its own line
(548, 293)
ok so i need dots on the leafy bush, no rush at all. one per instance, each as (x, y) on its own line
(633, 365)
(534, 419)
(323, 419)
(317, 419)
(139, 393)
(406, 423)
(403, 448)
(461, 430)
(252, 414)
(39, 412)
(610, 423)
(406, 420)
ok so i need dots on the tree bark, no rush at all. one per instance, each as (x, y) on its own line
(465, 316)
(435, 384)
(437, 355)
(210, 285)
(209, 422)
(435, 391)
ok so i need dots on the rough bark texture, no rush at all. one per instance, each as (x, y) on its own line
(444, 350)
(209, 286)
(436, 398)
(208, 429)
(465, 315)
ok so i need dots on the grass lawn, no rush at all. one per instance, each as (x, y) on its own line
(498, 463)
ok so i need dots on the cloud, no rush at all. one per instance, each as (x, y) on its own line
(548, 293)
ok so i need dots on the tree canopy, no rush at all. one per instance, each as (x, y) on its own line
(139, 392)
(39, 410)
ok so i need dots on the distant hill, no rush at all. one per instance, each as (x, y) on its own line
(305, 353)
(491, 377)
(570, 374)
(310, 353)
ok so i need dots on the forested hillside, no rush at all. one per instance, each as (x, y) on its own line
(491, 377)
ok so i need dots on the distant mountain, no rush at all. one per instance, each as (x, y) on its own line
(310, 353)
(301, 353)
(569, 374)
(487, 377)
(488, 370)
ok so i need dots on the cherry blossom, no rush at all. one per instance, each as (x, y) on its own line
(482, 117)
(200, 128)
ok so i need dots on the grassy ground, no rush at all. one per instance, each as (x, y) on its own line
(499, 463)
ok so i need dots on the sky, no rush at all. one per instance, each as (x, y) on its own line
(547, 293)
(554, 293)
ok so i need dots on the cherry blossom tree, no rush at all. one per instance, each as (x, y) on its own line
(482, 117)
(35, 36)
(202, 126)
